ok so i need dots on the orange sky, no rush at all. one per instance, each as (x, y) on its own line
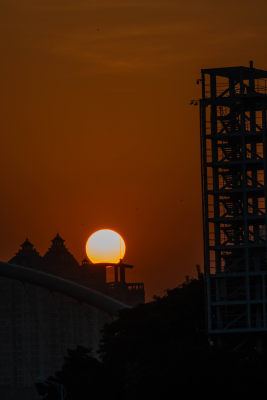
(96, 126)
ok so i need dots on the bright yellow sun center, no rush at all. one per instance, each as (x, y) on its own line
(105, 246)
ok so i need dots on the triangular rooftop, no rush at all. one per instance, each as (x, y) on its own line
(58, 259)
(27, 256)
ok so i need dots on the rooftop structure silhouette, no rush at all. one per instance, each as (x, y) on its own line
(60, 262)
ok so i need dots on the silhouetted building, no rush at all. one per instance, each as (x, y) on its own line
(59, 261)
(234, 172)
(51, 304)
(41, 317)
(27, 256)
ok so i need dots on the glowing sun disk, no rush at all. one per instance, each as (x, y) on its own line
(105, 246)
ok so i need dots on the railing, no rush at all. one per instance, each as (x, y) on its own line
(222, 88)
(135, 286)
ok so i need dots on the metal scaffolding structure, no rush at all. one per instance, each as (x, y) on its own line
(234, 173)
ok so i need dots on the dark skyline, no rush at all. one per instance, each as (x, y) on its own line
(97, 130)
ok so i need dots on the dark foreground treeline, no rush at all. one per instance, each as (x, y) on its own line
(158, 349)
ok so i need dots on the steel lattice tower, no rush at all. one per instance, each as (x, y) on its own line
(234, 173)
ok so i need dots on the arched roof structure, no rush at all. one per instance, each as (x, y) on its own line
(55, 284)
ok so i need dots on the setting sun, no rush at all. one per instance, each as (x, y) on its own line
(105, 246)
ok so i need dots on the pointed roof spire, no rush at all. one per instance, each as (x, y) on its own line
(26, 245)
(58, 241)
(58, 260)
(27, 256)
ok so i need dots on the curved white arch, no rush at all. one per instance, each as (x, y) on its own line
(57, 284)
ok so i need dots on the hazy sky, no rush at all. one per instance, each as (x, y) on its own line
(96, 126)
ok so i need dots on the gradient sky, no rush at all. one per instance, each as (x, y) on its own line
(96, 126)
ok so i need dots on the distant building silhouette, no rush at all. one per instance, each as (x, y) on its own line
(50, 304)
(41, 317)
(59, 261)
(27, 256)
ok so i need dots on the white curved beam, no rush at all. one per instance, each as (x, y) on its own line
(57, 284)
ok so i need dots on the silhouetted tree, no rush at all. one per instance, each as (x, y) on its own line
(157, 348)
(147, 346)
(81, 373)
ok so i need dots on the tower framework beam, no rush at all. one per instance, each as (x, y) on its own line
(234, 189)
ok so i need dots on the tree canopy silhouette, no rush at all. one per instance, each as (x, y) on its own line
(157, 348)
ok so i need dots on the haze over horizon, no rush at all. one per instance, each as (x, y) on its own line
(97, 127)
